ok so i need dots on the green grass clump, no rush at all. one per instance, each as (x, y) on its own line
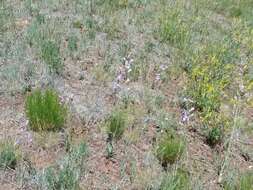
(68, 174)
(77, 24)
(210, 76)
(235, 8)
(244, 182)
(178, 180)
(44, 111)
(215, 136)
(50, 53)
(72, 43)
(8, 157)
(170, 149)
(173, 29)
(113, 5)
(112, 28)
(6, 17)
(116, 125)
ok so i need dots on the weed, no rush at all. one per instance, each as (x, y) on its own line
(44, 111)
(210, 76)
(8, 157)
(208, 79)
(116, 125)
(50, 53)
(170, 149)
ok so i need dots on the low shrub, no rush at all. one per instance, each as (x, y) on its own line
(170, 149)
(44, 111)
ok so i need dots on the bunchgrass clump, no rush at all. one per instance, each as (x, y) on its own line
(6, 17)
(215, 136)
(50, 53)
(178, 180)
(173, 29)
(67, 175)
(72, 43)
(170, 149)
(91, 26)
(116, 125)
(246, 181)
(44, 111)
(234, 8)
(113, 5)
(111, 28)
(8, 156)
(243, 182)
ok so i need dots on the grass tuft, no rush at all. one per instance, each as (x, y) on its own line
(172, 29)
(170, 149)
(50, 53)
(176, 181)
(68, 175)
(44, 111)
(72, 43)
(215, 136)
(116, 125)
(8, 157)
(244, 182)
